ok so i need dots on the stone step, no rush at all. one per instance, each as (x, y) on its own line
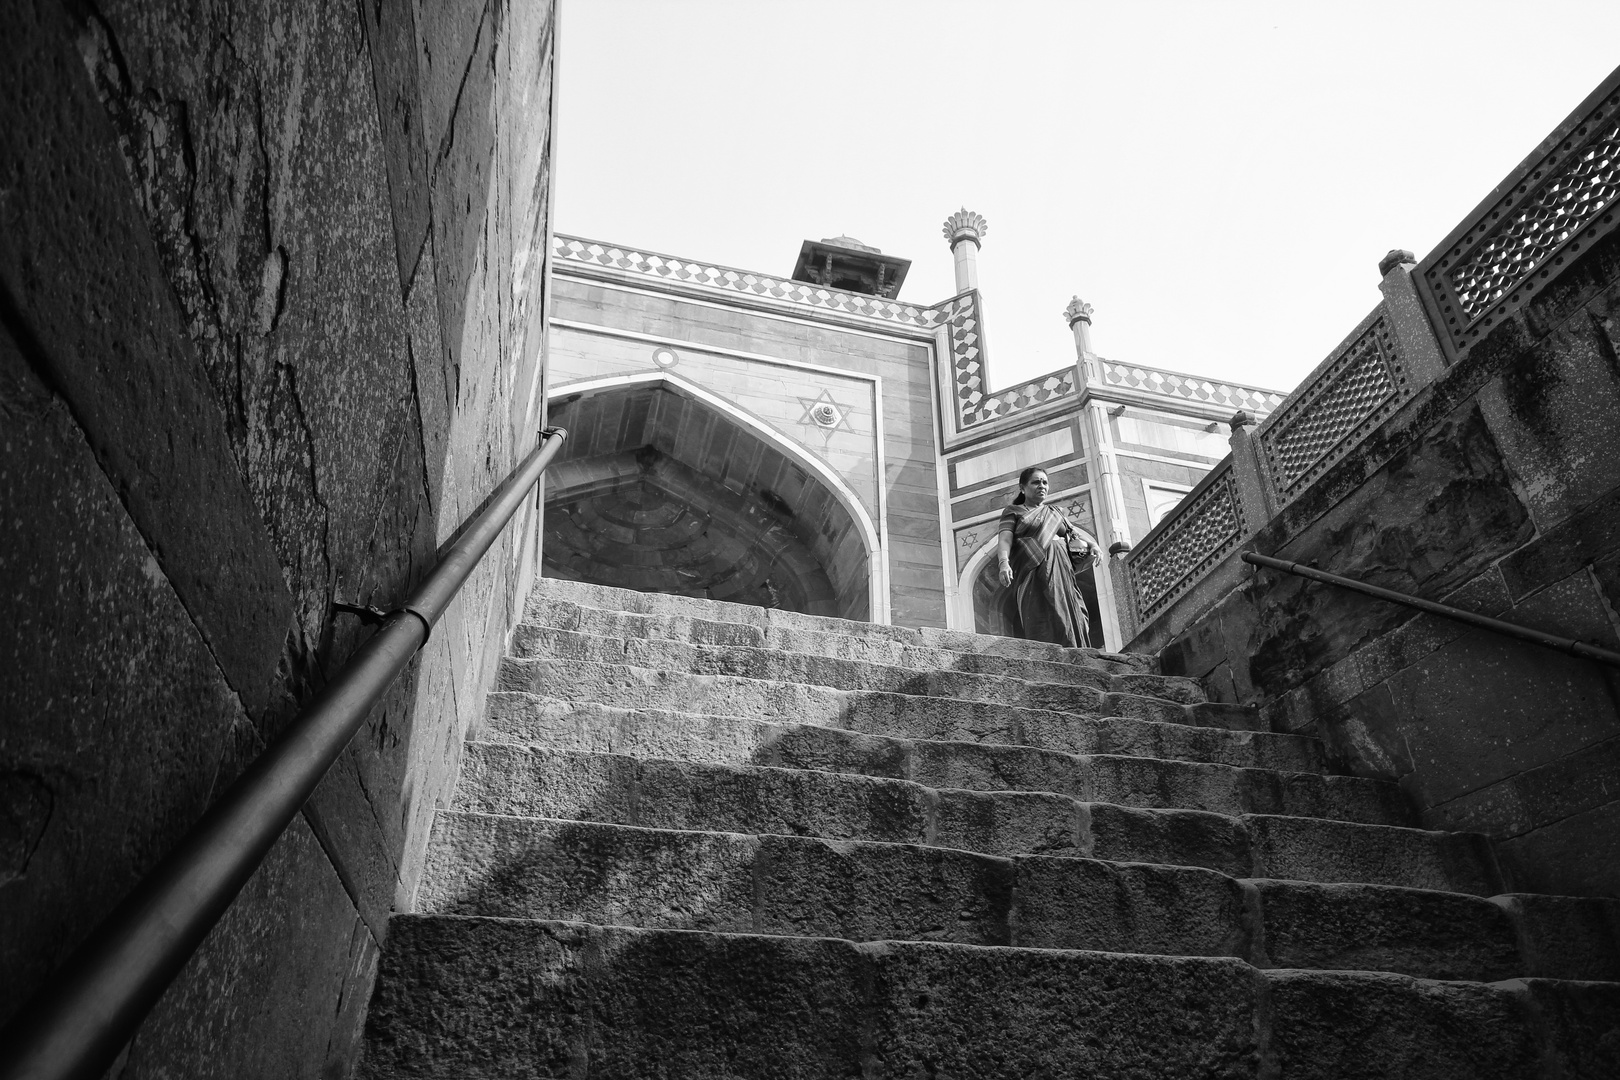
(819, 673)
(483, 997)
(606, 598)
(491, 865)
(730, 740)
(654, 793)
(949, 696)
(547, 613)
(753, 662)
(542, 780)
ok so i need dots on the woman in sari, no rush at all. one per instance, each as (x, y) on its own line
(1032, 551)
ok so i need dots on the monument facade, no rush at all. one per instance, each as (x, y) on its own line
(816, 443)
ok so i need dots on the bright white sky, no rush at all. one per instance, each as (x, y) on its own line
(1219, 179)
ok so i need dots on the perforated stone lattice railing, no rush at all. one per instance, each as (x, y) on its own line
(1190, 388)
(669, 268)
(975, 403)
(1206, 525)
(1558, 201)
(1362, 383)
(978, 408)
(1355, 389)
(960, 316)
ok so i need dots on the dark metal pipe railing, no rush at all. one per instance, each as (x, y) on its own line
(1445, 611)
(80, 1021)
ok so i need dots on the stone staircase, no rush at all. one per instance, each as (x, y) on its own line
(695, 839)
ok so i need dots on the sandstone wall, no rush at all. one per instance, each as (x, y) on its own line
(1495, 489)
(721, 349)
(271, 327)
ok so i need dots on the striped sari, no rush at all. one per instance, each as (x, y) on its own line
(1046, 596)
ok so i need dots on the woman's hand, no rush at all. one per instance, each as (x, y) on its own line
(1006, 573)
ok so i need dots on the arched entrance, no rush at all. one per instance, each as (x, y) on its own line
(992, 602)
(663, 487)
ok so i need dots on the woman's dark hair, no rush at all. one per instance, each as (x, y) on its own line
(1024, 478)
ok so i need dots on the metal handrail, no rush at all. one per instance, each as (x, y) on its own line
(1445, 611)
(91, 1007)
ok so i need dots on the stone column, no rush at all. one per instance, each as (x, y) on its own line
(1078, 316)
(1108, 497)
(963, 230)
(1105, 475)
(1419, 349)
(1259, 505)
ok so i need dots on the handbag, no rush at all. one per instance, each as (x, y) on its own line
(1082, 556)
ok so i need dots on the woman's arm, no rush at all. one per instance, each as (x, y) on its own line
(1004, 539)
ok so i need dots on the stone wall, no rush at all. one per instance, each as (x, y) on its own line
(271, 327)
(1495, 488)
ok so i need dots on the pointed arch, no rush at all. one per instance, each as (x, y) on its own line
(836, 487)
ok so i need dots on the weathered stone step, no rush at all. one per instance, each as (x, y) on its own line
(543, 779)
(752, 662)
(545, 613)
(527, 782)
(481, 997)
(952, 698)
(816, 672)
(605, 598)
(730, 740)
(512, 867)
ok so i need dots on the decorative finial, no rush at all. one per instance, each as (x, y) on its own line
(965, 225)
(1078, 309)
(1396, 257)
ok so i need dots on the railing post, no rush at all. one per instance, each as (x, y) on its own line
(1259, 505)
(1419, 347)
(1124, 596)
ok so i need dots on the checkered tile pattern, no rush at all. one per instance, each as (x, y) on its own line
(1035, 392)
(1256, 402)
(669, 268)
(974, 403)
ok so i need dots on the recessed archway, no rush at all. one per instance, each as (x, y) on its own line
(663, 487)
(991, 602)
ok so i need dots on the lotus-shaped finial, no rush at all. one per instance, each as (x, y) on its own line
(965, 225)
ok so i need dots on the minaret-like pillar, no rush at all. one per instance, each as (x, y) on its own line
(1078, 316)
(1107, 491)
(964, 230)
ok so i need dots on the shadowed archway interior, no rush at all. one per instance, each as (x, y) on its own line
(661, 492)
(995, 613)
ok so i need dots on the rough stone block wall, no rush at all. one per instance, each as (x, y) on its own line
(1495, 489)
(271, 327)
